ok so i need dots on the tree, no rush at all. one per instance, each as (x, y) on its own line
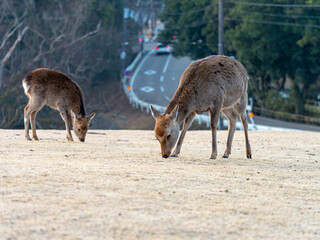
(274, 40)
(188, 21)
(78, 37)
(267, 40)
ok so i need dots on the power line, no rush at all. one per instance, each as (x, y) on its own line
(274, 23)
(276, 5)
(192, 25)
(188, 12)
(275, 15)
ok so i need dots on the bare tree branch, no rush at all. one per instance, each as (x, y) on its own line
(9, 53)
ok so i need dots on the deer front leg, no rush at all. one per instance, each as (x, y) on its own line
(232, 117)
(186, 125)
(214, 118)
(66, 118)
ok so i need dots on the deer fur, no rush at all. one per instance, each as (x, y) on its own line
(212, 84)
(49, 87)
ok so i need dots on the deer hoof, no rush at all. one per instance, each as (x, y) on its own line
(225, 156)
(36, 138)
(212, 157)
(249, 155)
(173, 155)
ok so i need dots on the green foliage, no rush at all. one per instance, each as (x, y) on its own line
(277, 103)
(274, 43)
(189, 22)
(108, 11)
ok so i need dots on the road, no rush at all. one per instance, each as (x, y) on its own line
(157, 77)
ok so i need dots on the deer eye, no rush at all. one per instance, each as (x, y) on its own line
(169, 136)
(79, 129)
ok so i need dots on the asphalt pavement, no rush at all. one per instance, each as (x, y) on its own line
(158, 76)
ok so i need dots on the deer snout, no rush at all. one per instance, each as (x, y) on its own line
(166, 155)
(165, 152)
(82, 139)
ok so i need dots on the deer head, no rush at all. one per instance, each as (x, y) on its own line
(166, 129)
(81, 125)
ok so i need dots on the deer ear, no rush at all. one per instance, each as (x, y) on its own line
(154, 112)
(174, 113)
(91, 116)
(74, 115)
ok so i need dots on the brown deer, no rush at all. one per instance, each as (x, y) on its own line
(49, 87)
(213, 84)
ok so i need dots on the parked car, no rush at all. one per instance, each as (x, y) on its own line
(162, 49)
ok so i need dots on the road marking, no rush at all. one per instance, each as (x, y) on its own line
(147, 89)
(161, 79)
(150, 72)
(166, 97)
(138, 69)
(162, 89)
(167, 64)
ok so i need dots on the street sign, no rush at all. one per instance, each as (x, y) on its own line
(127, 73)
(123, 55)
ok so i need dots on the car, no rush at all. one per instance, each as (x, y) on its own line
(162, 49)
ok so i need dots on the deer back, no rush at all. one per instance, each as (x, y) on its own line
(208, 80)
(55, 89)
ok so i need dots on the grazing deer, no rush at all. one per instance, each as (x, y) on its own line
(49, 87)
(213, 84)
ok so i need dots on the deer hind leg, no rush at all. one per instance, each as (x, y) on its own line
(241, 109)
(31, 110)
(232, 117)
(67, 119)
(33, 125)
(26, 121)
(214, 118)
(186, 125)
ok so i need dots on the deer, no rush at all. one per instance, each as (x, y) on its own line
(213, 84)
(49, 87)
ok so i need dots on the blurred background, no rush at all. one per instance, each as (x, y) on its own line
(94, 41)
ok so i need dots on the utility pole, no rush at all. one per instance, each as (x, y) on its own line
(124, 40)
(220, 38)
(220, 46)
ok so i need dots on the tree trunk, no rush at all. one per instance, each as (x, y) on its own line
(298, 100)
(282, 83)
(1, 74)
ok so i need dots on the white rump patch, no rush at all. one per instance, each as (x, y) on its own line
(25, 87)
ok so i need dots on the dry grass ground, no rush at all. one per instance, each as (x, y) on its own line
(117, 186)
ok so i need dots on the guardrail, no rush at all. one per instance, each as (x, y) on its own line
(128, 81)
(288, 116)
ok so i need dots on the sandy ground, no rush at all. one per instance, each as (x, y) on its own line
(117, 186)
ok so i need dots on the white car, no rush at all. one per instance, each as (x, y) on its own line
(163, 49)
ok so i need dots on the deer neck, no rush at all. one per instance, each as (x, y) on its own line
(183, 112)
(78, 107)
